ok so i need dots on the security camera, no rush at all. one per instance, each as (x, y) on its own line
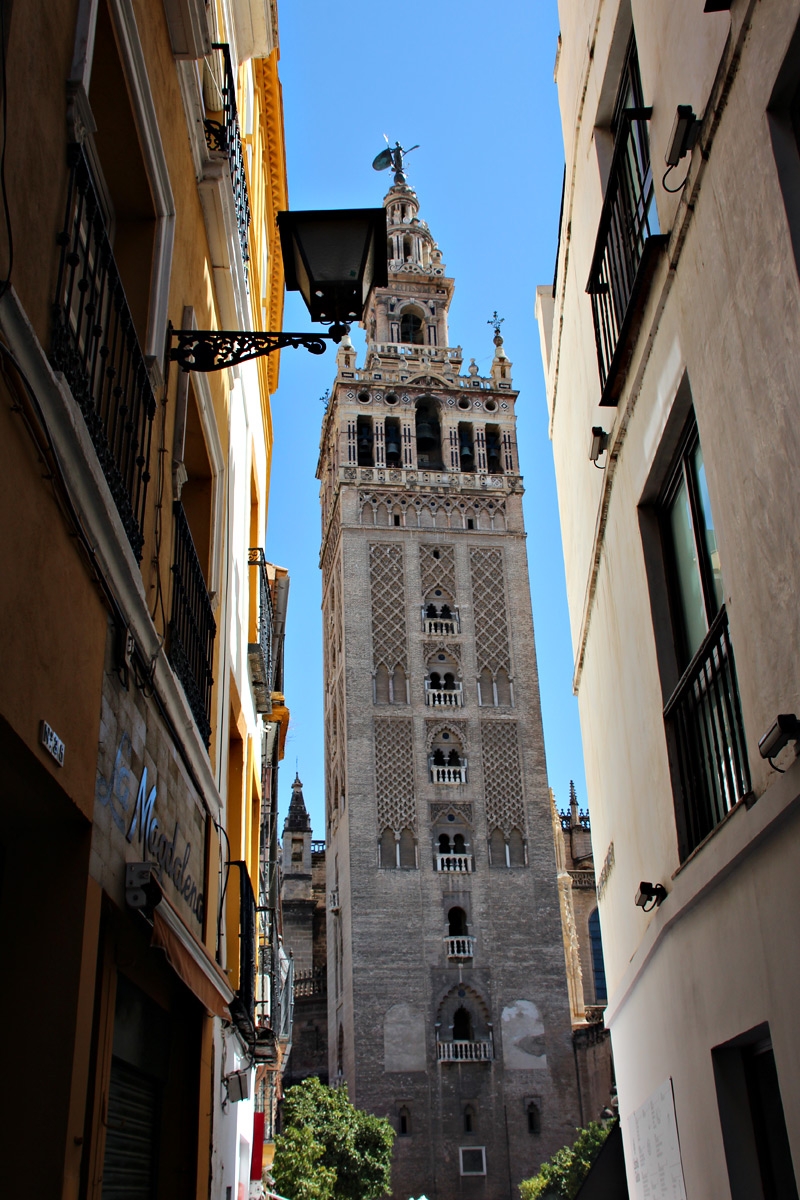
(786, 729)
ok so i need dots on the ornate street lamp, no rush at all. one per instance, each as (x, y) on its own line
(333, 258)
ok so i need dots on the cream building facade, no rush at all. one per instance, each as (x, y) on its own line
(447, 1001)
(671, 351)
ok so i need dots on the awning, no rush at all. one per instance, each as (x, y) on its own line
(190, 961)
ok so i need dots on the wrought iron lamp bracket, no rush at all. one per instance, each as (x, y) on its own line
(214, 349)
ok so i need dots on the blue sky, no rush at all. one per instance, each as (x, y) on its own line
(472, 83)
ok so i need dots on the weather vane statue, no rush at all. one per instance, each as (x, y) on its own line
(495, 322)
(392, 157)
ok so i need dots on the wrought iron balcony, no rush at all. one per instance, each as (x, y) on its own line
(625, 254)
(460, 947)
(444, 697)
(225, 136)
(704, 717)
(243, 1007)
(94, 344)
(455, 775)
(259, 654)
(455, 862)
(192, 628)
(464, 1051)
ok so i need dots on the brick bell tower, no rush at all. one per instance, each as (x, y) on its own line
(447, 998)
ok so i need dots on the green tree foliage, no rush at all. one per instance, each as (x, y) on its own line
(326, 1135)
(562, 1175)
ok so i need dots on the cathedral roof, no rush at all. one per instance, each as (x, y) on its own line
(298, 820)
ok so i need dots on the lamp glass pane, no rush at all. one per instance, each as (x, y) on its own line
(334, 249)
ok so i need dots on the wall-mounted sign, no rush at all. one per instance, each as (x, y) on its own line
(52, 743)
(653, 1130)
(159, 819)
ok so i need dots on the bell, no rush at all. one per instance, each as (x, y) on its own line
(467, 456)
(364, 439)
(392, 444)
(426, 435)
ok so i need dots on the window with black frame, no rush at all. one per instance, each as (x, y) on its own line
(703, 714)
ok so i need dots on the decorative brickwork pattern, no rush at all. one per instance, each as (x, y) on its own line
(425, 511)
(431, 648)
(457, 728)
(502, 777)
(460, 809)
(394, 775)
(489, 604)
(387, 585)
(437, 568)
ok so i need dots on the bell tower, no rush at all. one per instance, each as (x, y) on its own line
(448, 1007)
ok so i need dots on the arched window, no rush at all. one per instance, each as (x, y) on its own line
(462, 1025)
(408, 850)
(449, 681)
(469, 1119)
(497, 849)
(438, 758)
(430, 612)
(534, 1118)
(516, 849)
(486, 688)
(456, 922)
(381, 685)
(454, 758)
(411, 329)
(598, 966)
(466, 450)
(388, 849)
(494, 462)
(444, 843)
(399, 686)
(459, 845)
(503, 686)
(340, 1052)
(446, 612)
(364, 441)
(436, 680)
(393, 442)
(404, 1122)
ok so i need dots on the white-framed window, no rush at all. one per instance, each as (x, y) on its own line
(473, 1160)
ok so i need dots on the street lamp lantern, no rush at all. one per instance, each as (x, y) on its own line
(333, 258)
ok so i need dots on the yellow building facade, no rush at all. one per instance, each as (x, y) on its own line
(142, 709)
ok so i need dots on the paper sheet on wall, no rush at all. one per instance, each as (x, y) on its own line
(657, 1170)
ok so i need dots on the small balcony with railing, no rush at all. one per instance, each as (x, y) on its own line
(450, 769)
(463, 1051)
(460, 948)
(704, 718)
(95, 346)
(443, 692)
(259, 653)
(457, 860)
(223, 134)
(440, 621)
(192, 628)
(626, 253)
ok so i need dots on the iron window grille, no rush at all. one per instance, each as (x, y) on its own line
(192, 628)
(703, 714)
(95, 346)
(628, 235)
(225, 136)
(243, 1005)
(260, 656)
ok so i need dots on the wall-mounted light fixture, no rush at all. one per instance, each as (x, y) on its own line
(599, 444)
(650, 895)
(142, 889)
(333, 258)
(237, 1085)
(685, 130)
(786, 729)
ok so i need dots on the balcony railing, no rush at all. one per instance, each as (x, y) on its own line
(441, 626)
(705, 718)
(624, 255)
(310, 983)
(192, 628)
(225, 136)
(464, 1051)
(259, 654)
(444, 697)
(582, 879)
(318, 846)
(243, 1007)
(449, 774)
(455, 862)
(95, 346)
(333, 900)
(460, 947)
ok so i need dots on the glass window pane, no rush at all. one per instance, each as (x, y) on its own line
(689, 588)
(707, 532)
